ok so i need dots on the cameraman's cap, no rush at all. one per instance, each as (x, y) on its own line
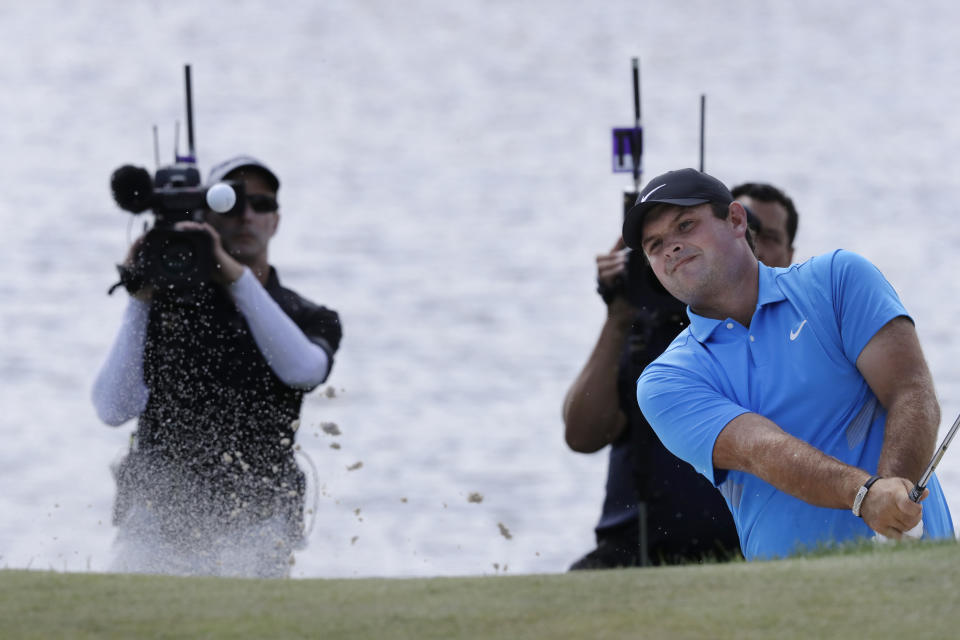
(220, 171)
(683, 188)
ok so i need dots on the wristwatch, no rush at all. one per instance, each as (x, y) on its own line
(861, 494)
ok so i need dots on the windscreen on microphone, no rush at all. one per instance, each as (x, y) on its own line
(132, 188)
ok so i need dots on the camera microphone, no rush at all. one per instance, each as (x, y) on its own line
(132, 188)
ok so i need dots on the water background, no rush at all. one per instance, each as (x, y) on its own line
(446, 185)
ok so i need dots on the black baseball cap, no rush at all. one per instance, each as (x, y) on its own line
(220, 171)
(683, 188)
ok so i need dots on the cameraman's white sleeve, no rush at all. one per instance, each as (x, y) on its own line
(119, 392)
(296, 360)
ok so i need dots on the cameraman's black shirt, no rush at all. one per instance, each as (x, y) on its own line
(218, 431)
(687, 518)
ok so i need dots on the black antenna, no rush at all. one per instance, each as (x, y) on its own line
(703, 117)
(176, 142)
(629, 140)
(637, 146)
(190, 145)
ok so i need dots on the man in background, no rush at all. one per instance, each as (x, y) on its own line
(777, 217)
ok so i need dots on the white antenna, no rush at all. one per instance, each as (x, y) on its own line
(156, 147)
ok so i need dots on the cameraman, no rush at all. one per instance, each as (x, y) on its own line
(686, 518)
(216, 374)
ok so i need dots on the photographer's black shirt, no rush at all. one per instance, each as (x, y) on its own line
(217, 435)
(687, 518)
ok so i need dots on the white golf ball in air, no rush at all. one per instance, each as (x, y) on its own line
(221, 197)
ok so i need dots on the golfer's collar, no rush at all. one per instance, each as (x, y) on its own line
(767, 289)
(701, 327)
(768, 292)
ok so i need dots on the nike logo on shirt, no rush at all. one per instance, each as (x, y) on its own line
(794, 334)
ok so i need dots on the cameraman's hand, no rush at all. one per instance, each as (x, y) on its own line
(226, 270)
(144, 293)
(611, 266)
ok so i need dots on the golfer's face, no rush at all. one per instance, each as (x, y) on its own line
(681, 244)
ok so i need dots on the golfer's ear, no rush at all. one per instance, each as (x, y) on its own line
(737, 215)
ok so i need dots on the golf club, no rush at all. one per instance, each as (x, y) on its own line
(918, 488)
(917, 491)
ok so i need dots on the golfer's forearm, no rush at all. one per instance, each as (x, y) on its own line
(893, 365)
(910, 435)
(753, 444)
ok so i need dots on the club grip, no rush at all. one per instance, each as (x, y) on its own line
(916, 492)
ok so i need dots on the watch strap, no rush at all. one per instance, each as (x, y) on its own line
(862, 494)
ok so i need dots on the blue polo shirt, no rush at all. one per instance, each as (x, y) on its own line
(795, 365)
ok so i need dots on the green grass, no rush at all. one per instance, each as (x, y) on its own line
(896, 591)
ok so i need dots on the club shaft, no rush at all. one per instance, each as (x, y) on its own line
(918, 488)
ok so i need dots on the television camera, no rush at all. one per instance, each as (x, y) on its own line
(168, 257)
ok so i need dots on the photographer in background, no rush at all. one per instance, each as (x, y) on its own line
(216, 373)
(686, 518)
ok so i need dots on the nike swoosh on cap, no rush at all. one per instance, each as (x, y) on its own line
(650, 193)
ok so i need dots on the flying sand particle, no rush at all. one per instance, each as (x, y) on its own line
(330, 428)
(504, 531)
(356, 465)
(475, 497)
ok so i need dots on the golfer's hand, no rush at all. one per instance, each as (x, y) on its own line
(888, 509)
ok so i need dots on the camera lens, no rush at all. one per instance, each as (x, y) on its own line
(178, 256)
(177, 259)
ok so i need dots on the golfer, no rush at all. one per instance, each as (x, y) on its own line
(801, 393)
